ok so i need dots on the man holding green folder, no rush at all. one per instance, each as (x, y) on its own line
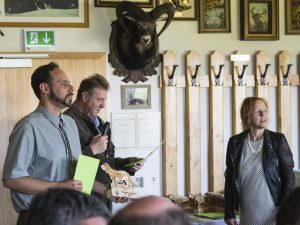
(44, 145)
(95, 134)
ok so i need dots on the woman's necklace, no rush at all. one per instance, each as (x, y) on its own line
(255, 149)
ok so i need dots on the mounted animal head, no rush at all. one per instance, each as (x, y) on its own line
(134, 38)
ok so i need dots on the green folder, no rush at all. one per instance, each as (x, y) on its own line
(86, 170)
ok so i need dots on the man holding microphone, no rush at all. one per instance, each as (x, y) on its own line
(94, 133)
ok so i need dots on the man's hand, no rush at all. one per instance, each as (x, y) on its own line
(99, 144)
(232, 221)
(71, 184)
(137, 166)
(115, 199)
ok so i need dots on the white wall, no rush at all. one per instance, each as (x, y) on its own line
(179, 37)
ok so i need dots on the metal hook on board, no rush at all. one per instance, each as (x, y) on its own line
(218, 75)
(241, 75)
(285, 80)
(194, 76)
(171, 76)
(263, 74)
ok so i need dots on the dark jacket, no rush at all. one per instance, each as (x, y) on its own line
(278, 167)
(87, 131)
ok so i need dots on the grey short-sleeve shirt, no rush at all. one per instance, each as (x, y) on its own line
(36, 149)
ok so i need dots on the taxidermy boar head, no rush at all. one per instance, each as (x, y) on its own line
(134, 48)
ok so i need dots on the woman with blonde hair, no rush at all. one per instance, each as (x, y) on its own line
(259, 171)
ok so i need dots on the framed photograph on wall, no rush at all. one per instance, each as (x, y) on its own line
(259, 20)
(214, 16)
(53, 14)
(114, 3)
(189, 14)
(136, 96)
(292, 16)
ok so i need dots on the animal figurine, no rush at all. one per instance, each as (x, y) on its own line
(118, 177)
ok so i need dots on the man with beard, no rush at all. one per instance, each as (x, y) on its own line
(44, 145)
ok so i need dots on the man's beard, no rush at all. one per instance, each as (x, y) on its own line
(63, 102)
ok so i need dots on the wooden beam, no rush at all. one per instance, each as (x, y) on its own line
(216, 148)
(169, 123)
(262, 74)
(238, 92)
(192, 106)
(284, 95)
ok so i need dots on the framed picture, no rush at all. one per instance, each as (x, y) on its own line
(136, 96)
(292, 16)
(259, 20)
(189, 14)
(214, 16)
(67, 13)
(114, 3)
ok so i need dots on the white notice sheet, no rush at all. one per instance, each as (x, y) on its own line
(124, 128)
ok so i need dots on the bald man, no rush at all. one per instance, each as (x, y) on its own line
(151, 210)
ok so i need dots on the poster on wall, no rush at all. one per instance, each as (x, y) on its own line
(42, 13)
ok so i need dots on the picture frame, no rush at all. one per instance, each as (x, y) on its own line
(136, 96)
(292, 16)
(190, 14)
(59, 14)
(114, 3)
(214, 16)
(259, 20)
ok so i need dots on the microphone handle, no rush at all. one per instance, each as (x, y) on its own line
(106, 127)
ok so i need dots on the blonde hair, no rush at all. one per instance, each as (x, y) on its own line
(247, 108)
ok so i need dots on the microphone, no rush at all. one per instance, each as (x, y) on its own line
(96, 122)
(106, 127)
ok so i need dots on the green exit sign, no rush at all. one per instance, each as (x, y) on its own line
(39, 40)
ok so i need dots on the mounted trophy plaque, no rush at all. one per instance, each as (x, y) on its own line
(122, 184)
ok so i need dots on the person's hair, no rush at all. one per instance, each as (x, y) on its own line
(289, 209)
(65, 207)
(42, 75)
(94, 81)
(171, 216)
(247, 108)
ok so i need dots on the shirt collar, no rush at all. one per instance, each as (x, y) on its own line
(54, 119)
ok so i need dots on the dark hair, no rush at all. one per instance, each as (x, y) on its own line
(289, 209)
(42, 75)
(65, 207)
(94, 81)
(247, 108)
(170, 217)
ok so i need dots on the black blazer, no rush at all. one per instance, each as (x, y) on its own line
(277, 162)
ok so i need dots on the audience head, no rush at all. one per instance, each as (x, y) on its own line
(289, 209)
(247, 110)
(67, 207)
(42, 75)
(151, 210)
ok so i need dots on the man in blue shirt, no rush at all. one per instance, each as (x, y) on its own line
(44, 145)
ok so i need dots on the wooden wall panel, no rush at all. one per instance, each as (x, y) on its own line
(216, 123)
(17, 100)
(192, 114)
(169, 123)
